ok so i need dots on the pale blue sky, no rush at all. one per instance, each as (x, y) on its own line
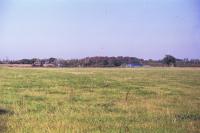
(80, 28)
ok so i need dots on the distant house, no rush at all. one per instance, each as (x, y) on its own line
(52, 62)
(38, 63)
(49, 65)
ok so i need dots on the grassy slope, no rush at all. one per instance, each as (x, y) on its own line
(100, 100)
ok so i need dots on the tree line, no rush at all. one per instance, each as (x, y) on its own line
(98, 61)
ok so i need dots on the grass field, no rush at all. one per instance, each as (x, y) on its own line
(84, 100)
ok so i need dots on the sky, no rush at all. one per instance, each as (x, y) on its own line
(68, 29)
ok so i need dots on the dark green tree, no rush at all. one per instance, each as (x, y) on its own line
(169, 60)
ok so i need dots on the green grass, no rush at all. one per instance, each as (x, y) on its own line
(143, 100)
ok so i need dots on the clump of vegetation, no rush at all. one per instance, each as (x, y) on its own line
(169, 60)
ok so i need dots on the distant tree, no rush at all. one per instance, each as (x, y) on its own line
(25, 61)
(105, 62)
(169, 60)
(52, 60)
(117, 62)
(34, 60)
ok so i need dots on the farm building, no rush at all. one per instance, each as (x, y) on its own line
(134, 65)
(131, 65)
(38, 63)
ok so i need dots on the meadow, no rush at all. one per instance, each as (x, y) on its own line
(99, 100)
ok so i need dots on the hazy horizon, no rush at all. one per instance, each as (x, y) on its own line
(66, 29)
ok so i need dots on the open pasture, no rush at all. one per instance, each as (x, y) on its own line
(107, 100)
